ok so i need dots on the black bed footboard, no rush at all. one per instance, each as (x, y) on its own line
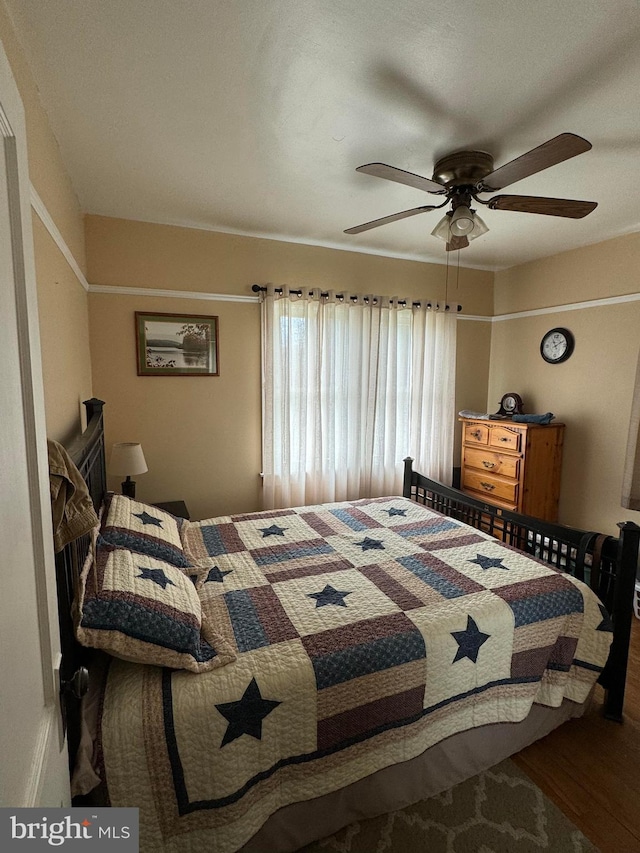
(608, 564)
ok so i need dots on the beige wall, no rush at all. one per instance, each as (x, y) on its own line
(64, 337)
(591, 391)
(604, 269)
(140, 254)
(472, 374)
(62, 301)
(201, 435)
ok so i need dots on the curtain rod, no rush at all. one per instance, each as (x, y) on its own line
(258, 288)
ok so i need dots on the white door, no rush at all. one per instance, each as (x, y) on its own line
(33, 762)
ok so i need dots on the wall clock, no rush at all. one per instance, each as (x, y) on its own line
(510, 404)
(557, 345)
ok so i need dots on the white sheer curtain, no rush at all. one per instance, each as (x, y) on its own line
(350, 389)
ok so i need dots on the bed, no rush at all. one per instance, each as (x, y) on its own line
(341, 660)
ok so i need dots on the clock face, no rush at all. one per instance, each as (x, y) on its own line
(511, 404)
(556, 345)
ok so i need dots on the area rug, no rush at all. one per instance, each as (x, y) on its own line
(498, 811)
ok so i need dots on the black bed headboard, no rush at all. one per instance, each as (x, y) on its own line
(88, 454)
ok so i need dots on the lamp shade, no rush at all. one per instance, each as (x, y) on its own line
(479, 227)
(443, 228)
(447, 228)
(461, 221)
(127, 458)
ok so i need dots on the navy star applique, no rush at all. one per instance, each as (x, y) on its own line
(145, 518)
(274, 530)
(368, 544)
(606, 624)
(489, 562)
(157, 576)
(469, 641)
(246, 715)
(216, 575)
(329, 595)
(395, 511)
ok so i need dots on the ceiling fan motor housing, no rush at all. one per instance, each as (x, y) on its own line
(463, 168)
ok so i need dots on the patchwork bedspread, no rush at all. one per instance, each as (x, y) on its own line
(364, 633)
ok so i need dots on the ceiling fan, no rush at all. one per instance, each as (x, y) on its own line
(462, 176)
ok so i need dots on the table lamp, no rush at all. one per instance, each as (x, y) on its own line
(127, 458)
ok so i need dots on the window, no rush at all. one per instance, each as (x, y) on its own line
(349, 390)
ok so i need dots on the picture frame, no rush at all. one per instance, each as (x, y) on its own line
(176, 344)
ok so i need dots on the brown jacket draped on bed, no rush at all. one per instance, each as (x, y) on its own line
(72, 509)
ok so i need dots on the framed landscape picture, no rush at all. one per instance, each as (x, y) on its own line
(177, 345)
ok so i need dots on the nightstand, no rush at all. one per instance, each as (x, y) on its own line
(178, 508)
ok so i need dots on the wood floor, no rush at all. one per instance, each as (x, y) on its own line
(591, 767)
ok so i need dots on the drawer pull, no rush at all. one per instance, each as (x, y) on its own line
(504, 438)
(489, 487)
(477, 434)
(488, 464)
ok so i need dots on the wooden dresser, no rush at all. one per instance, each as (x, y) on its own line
(513, 465)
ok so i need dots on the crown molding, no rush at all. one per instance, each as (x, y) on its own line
(45, 217)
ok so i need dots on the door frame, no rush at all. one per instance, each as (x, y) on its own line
(45, 776)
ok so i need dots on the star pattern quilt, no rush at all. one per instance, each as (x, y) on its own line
(364, 632)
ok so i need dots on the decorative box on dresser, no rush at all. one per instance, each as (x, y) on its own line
(513, 465)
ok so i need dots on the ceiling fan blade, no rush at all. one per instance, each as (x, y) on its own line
(390, 173)
(560, 148)
(386, 219)
(457, 243)
(548, 206)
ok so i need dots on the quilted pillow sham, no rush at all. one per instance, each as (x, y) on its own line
(145, 610)
(144, 529)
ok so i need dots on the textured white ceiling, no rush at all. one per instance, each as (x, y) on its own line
(251, 116)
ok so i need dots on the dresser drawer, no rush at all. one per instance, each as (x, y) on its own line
(505, 438)
(491, 486)
(476, 434)
(494, 502)
(494, 463)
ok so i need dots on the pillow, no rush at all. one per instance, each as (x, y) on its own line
(144, 529)
(145, 610)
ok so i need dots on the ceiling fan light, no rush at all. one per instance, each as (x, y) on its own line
(479, 228)
(462, 221)
(442, 229)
